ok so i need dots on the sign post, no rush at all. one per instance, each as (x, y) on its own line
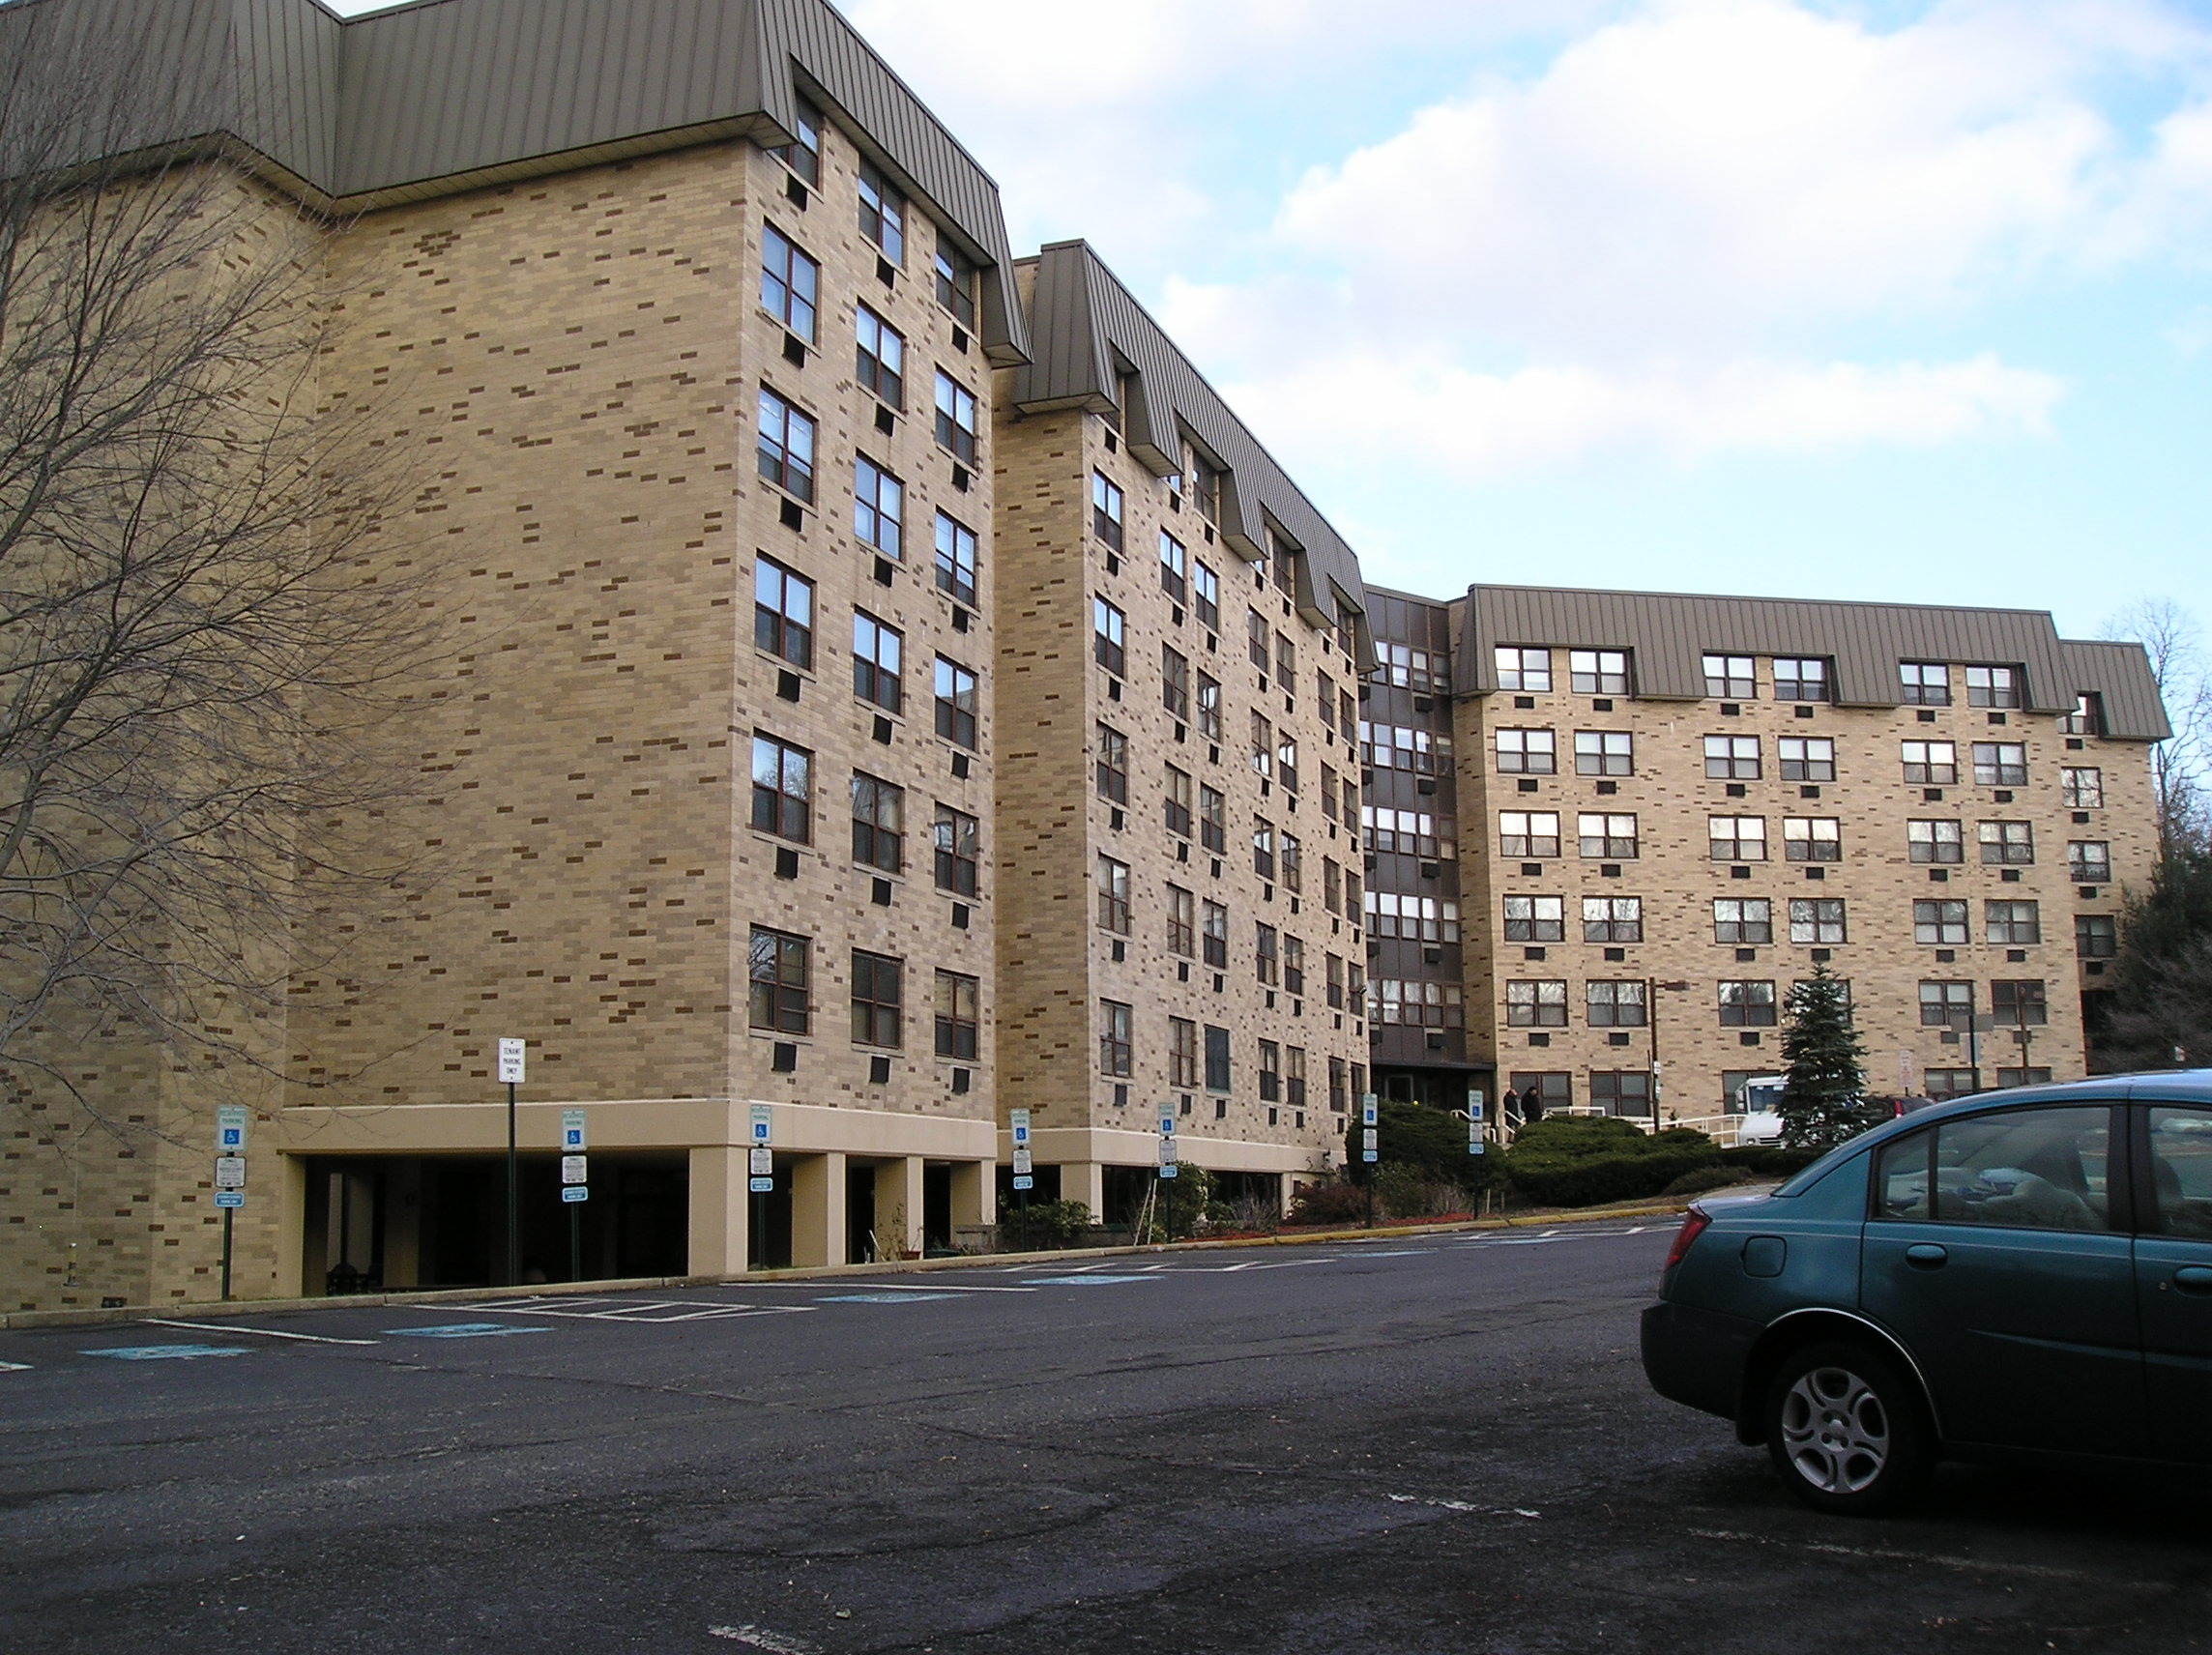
(1475, 1122)
(575, 1186)
(229, 1174)
(760, 1165)
(510, 1070)
(1025, 1168)
(1369, 1150)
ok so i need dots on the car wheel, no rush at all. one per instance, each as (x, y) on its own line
(1845, 1427)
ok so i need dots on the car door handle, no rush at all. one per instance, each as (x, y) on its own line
(2194, 1279)
(1927, 1256)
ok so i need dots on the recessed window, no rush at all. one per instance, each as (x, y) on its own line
(1535, 919)
(1747, 1004)
(1263, 849)
(1178, 803)
(1113, 880)
(1613, 1004)
(1256, 641)
(1538, 1003)
(2087, 718)
(1529, 834)
(1817, 920)
(956, 559)
(1736, 838)
(1182, 1053)
(2021, 1004)
(1598, 672)
(789, 284)
(1526, 752)
(1993, 686)
(1622, 1091)
(1266, 955)
(1807, 758)
(1936, 842)
(1209, 707)
(1108, 637)
(1174, 683)
(2001, 764)
(2081, 788)
(1811, 839)
(1743, 921)
(1115, 1022)
(882, 213)
(877, 649)
(879, 822)
(1606, 836)
(954, 837)
(1730, 678)
(2006, 844)
(778, 964)
(1113, 765)
(1797, 678)
(879, 986)
(1213, 818)
(2096, 936)
(1942, 924)
(1604, 753)
(1613, 920)
(1106, 510)
(1945, 1004)
(782, 790)
(1408, 832)
(803, 156)
(783, 613)
(955, 278)
(1182, 921)
(786, 447)
(1262, 746)
(1217, 1058)
(879, 508)
(1205, 596)
(1174, 567)
(2089, 861)
(1929, 763)
(1733, 758)
(1414, 918)
(955, 418)
(1214, 934)
(959, 1014)
(2012, 923)
(880, 353)
(956, 703)
(1924, 684)
(1525, 670)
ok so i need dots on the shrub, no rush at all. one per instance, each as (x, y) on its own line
(1335, 1201)
(1584, 1160)
(1704, 1178)
(1769, 1160)
(1431, 1140)
(1042, 1225)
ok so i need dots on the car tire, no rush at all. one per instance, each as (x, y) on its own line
(1845, 1429)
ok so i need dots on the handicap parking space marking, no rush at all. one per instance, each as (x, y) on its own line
(635, 1310)
(883, 1297)
(164, 1353)
(1088, 1281)
(255, 1332)
(462, 1330)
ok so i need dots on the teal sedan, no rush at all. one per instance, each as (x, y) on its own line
(2019, 1277)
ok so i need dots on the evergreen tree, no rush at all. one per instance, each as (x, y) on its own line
(2162, 983)
(1821, 1101)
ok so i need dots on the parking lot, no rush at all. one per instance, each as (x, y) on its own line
(1437, 1444)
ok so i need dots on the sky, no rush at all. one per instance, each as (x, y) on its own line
(1880, 301)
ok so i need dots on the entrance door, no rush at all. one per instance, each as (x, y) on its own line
(1992, 1252)
(2173, 1281)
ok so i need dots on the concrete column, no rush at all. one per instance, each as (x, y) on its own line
(974, 1195)
(898, 1205)
(292, 1230)
(403, 1224)
(1085, 1181)
(720, 1236)
(818, 1209)
(1283, 1193)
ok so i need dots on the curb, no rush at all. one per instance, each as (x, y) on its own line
(202, 1309)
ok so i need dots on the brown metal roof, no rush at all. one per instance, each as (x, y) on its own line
(444, 96)
(1668, 633)
(1086, 326)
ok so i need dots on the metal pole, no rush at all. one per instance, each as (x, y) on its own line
(1974, 1050)
(227, 1214)
(575, 1241)
(1651, 1011)
(514, 1245)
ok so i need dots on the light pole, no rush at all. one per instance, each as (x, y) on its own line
(1651, 988)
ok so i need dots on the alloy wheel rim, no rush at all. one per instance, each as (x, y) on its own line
(1835, 1431)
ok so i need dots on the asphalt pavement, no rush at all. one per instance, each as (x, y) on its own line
(1443, 1444)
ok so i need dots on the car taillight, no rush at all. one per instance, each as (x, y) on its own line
(1694, 1224)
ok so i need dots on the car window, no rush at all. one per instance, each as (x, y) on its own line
(2181, 1166)
(2026, 1168)
(1901, 1178)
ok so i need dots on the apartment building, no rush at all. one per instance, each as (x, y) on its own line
(1180, 639)
(1670, 809)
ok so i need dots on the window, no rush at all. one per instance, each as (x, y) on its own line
(2087, 718)
(1604, 753)
(783, 613)
(2001, 764)
(1263, 745)
(1530, 752)
(2019, 1005)
(879, 824)
(778, 970)
(1615, 1004)
(1266, 955)
(2006, 843)
(1293, 857)
(1982, 1169)
(1608, 836)
(1736, 838)
(1537, 1005)
(1177, 814)
(1330, 885)
(788, 283)
(1174, 683)
(1113, 765)
(1213, 818)
(877, 981)
(803, 156)
(1217, 1058)
(1393, 1000)
(1285, 664)
(1295, 1076)
(1817, 920)
(786, 447)
(1216, 935)
(954, 275)
(1537, 1093)
(1206, 486)
(1293, 965)
(1410, 833)
(1936, 841)
(1263, 849)
(1993, 686)
(956, 703)
(1734, 758)
(1940, 922)
(2096, 936)
(1613, 920)
(2089, 861)
(876, 651)
(1351, 804)
(1944, 1003)
(1182, 921)
(1925, 684)
(1338, 1089)
(1347, 726)
(1743, 920)
(1535, 919)
(1933, 764)
(1941, 1084)
(2081, 788)
(1416, 918)
(1287, 761)
(880, 360)
(1324, 688)
(955, 418)
(780, 789)
(1113, 1037)
(2013, 922)
(1183, 1053)
(956, 559)
(1205, 596)
(1527, 670)
(1209, 707)
(879, 508)
(1598, 672)
(1798, 678)
(1113, 896)
(1622, 1091)
(1271, 1072)
(1174, 567)
(1256, 640)
(954, 837)
(1108, 637)
(1730, 678)
(883, 213)
(1523, 833)
(1808, 759)
(1106, 510)
(1747, 1005)
(958, 1014)
(2035, 1074)
(1811, 839)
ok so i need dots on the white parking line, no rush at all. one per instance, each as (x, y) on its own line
(14, 1367)
(258, 1332)
(760, 1638)
(1896, 1555)
(656, 1311)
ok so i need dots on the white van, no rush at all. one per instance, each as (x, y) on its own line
(1760, 1101)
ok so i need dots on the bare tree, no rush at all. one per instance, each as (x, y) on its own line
(2174, 641)
(197, 672)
